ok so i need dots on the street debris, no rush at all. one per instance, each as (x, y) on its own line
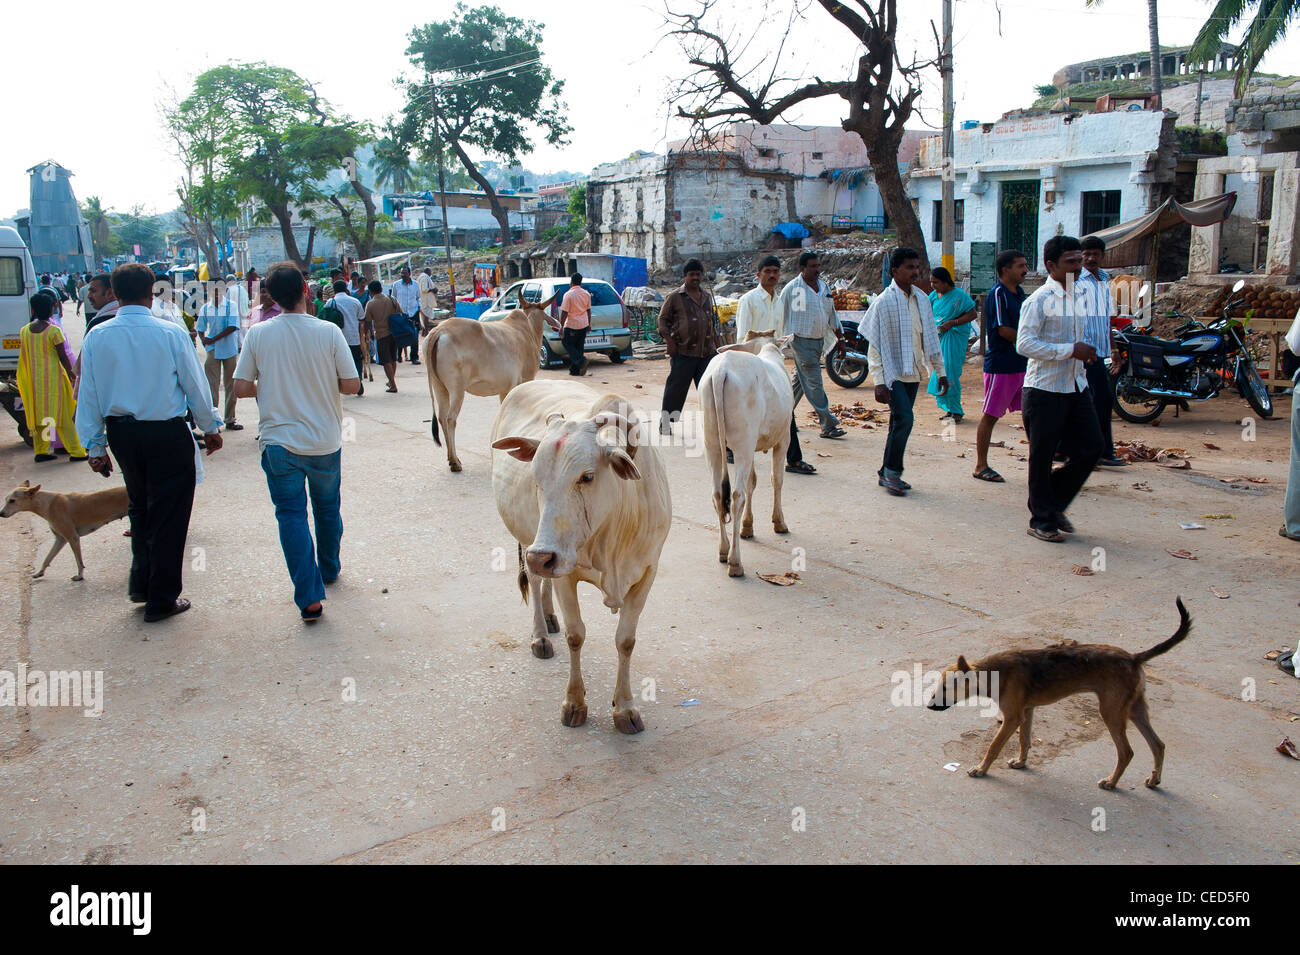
(1081, 570)
(1132, 451)
(1212, 447)
(1217, 517)
(1142, 486)
(689, 703)
(824, 454)
(1182, 554)
(951, 767)
(1219, 593)
(1192, 527)
(1287, 748)
(781, 580)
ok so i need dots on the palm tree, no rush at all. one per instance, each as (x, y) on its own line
(1157, 85)
(391, 164)
(96, 217)
(1272, 17)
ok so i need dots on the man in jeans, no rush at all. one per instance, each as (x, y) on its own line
(575, 310)
(297, 366)
(904, 349)
(1057, 407)
(808, 313)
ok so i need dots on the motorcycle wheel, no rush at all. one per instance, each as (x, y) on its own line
(845, 373)
(1253, 389)
(1135, 409)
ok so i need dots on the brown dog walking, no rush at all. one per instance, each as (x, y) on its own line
(70, 516)
(1024, 679)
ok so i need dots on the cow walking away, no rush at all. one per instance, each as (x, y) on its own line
(747, 402)
(463, 356)
(587, 502)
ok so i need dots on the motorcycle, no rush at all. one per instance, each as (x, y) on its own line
(1149, 373)
(847, 366)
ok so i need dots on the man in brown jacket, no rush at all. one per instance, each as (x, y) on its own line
(686, 323)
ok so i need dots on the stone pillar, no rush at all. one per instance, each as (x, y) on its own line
(1283, 240)
(1203, 255)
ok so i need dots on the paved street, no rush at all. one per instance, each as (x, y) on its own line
(237, 709)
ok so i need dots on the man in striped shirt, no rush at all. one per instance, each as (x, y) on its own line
(1057, 405)
(807, 313)
(1096, 283)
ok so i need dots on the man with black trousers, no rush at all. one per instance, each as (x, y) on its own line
(1057, 406)
(686, 323)
(1096, 282)
(138, 374)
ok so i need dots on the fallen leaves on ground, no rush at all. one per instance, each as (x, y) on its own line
(1212, 447)
(781, 580)
(1183, 554)
(823, 454)
(1081, 570)
(1217, 517)
(1287, 748)
(1166, 457)
(1142, 486)
(1219, 593)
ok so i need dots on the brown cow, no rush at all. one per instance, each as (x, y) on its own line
(480, 358)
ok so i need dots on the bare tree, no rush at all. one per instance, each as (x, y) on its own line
(727, 86)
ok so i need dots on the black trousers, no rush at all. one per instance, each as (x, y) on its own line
(1069, 421)
(682, 370)
(1099, 385)
(575, 343)
(794, 453)
(358, 359)
(157, 462)
(902, 400)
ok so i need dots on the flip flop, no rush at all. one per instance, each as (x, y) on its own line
(988, 474)
(1282, 533)
(834, 433)
(311, 616)
(1052, 537)
(802, 467)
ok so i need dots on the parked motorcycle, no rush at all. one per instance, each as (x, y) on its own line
(847, 367)
(1149, 373)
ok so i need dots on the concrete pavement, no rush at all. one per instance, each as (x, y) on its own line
(413, 724)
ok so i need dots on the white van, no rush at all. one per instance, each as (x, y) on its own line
(17, 285)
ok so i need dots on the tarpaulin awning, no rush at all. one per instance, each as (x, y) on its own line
(1129, 242)
(792, 230)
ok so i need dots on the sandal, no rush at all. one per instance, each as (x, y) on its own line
(801, 467)
(988, 474)
(1052, 537)
(1282, 533)
(311, 616)
(834, 433)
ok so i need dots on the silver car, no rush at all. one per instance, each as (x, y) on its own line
(609, 333)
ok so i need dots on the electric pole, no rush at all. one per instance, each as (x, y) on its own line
(949, 177)
(442, 194)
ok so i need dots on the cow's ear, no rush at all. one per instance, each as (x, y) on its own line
(962, 665)
(521, 448)
(623, 464)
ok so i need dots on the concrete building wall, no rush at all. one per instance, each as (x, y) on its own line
(720, 209)
(626, 203)
(1129, 151)
(266, 245)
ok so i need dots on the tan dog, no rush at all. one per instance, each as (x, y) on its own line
(70, 516)
(1023, 679)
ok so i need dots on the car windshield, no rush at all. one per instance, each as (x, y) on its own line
(601, 294)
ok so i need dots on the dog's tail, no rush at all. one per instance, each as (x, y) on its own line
(523, 575)
(1184, 628)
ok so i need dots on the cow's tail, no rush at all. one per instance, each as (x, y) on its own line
(719, 402)
(523, 574)
(431, 367)
(1184, 627)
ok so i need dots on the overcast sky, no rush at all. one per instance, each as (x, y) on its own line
(88, 76)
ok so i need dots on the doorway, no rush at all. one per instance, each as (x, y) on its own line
(1018, 218)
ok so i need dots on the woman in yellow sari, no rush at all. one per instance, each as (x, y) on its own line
(45, 383)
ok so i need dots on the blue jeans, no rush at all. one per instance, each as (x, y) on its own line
(291, 477)
(902, 396)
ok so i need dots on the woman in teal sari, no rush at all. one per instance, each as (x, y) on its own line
(954, 310)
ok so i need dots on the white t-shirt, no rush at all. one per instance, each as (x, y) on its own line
(351, 310)
(297, 361)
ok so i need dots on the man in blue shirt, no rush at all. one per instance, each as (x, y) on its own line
(1097, 284)
(218, 326)
(1004, 367)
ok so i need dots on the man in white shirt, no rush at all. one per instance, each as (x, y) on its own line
(407, 294)
(904, 348)
(352, 311)
(760, 311)
(1057, 407)
(808, 314)
(296, 366)
(428, 300)
(137, 377)
(218, 325)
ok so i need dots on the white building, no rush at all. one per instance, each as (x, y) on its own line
(1028, 177)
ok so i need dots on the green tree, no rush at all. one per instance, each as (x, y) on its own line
(135, 228)
(484, 88)
(276, 140)
(207, 195)
(1267, 26)
(391, 164)
(96, 216)
(1153, 35)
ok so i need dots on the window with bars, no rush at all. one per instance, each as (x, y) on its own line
(1099, 210)
(959, 216)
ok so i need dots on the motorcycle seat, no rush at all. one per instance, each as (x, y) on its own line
(1164, 344)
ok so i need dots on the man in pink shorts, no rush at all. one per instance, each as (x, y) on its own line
(1004, 367)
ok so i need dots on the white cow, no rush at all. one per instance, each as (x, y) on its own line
(480, 358)
(747, 402)
(587, 501)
